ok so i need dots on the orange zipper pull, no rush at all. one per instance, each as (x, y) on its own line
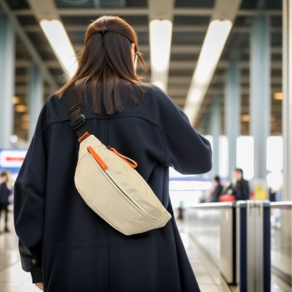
(97, 158)
(125, 158)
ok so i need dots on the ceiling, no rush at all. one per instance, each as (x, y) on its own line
(190, 23)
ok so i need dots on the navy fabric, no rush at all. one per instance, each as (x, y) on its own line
(267, 249)
(74, 247)
(243, 250)
(4, 193)
(242, 190)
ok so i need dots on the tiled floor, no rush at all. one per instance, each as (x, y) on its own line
(207, 275)
(14, 279)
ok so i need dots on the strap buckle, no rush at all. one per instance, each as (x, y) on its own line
(79, 122)
(77, 119)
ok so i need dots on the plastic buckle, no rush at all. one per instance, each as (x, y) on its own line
(73, 109)
(80, 121)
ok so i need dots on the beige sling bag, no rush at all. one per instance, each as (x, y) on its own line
(109, 184)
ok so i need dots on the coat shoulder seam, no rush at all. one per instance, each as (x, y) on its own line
(91, 116)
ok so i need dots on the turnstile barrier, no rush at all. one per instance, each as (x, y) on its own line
(245, 242)
(253, 246)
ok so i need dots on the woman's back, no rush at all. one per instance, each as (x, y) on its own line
(68, 246)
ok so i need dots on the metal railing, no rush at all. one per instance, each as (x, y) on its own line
(213, 205)
(281, 205)
(245, 239)
(214, 231)
(281, 241)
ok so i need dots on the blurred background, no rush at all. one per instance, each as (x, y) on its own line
(226, 63)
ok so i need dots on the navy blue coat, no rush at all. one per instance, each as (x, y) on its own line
(68, 246)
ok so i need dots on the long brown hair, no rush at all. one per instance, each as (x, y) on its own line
(105, 63)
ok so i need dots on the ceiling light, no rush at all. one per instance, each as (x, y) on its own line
(24, 126)
(15, 100)
(13, 138)
(278, 95)
(160, 44)
(213, 45)
(21, 108)
(273, 126)
(25, 118)
(245, 118)
(61, 45)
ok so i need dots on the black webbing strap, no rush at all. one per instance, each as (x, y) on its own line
(77, 119)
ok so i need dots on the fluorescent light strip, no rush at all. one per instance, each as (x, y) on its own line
(213, 45)
(61, 45)
(160, 43)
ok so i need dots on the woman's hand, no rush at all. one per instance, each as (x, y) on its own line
(40, 285)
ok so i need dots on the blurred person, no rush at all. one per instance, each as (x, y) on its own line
(272, 195)
(181, 211)
(11, 196)
(62, 242)
(5, 192)
(236, 190)
(275, 196)
(241, 187)
(202, 200)
(216, 191)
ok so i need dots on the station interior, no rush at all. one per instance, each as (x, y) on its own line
(227, 65)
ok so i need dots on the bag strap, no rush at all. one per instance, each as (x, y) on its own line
(78, 122)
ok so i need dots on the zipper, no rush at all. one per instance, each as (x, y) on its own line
(122, 190)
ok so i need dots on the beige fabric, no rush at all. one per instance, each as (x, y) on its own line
(118, 194)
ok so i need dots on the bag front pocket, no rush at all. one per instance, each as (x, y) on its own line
(102, 167)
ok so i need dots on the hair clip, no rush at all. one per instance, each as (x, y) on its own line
(103, 32)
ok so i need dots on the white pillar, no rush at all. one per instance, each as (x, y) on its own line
(286, 217)
(260, 94)
(36, 97)
(287, 99)
(215, 127)
(232, 111)
(7, 73)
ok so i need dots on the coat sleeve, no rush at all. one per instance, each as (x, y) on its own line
(185, 150)
(29, 202)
